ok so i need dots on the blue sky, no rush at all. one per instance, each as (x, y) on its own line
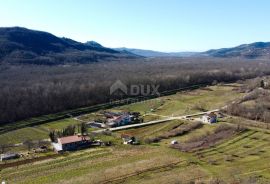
(165, 25)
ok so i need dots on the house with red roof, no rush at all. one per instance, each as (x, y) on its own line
(71, 143)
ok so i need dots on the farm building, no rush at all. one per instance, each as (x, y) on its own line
(71, 143)
(209, 118)
(9, 156)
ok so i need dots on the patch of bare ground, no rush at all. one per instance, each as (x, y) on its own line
(175, 131)
(221, 133)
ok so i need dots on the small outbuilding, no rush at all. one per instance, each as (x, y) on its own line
(127, 139)
(9, 156)
(173, 142)
(209, 118)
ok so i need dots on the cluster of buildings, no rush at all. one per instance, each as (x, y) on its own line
(116, 119)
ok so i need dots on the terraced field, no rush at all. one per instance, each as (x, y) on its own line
(241, 157)
(248, 153)
(249, 143)
(101, 166)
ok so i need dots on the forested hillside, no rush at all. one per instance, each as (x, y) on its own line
(24, 46)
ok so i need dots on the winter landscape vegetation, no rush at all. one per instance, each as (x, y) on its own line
(74, 111)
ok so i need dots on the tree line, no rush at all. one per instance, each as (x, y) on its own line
(68, 131)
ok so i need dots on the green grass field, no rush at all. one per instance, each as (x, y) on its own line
(184, 102)
(24, 134)
(35, 133)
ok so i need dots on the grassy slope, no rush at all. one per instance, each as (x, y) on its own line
(183, 103)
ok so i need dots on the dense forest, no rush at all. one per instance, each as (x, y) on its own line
(33, 90)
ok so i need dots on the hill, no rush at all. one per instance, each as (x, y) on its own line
(151, 53)
(250, 51)
(25, 46)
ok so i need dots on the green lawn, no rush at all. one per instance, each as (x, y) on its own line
(36, 132)
(21, 135)
(56, 125)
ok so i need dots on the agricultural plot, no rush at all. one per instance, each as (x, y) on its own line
(235, 159)
(102, 166)
(247, 153)
(153, 130)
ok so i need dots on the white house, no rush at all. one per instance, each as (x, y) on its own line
(209, 118)
(121, 120)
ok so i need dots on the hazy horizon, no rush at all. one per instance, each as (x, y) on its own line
(166, 26)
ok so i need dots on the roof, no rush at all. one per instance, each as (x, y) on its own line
(71, 139)
(211, 115)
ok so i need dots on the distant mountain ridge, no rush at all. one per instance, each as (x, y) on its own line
(21, 45)
(250, 51)
(24, 46)
(151, 53)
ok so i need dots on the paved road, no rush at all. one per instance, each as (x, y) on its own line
(156, 121)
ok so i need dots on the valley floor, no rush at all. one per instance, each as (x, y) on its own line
(241, 158)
